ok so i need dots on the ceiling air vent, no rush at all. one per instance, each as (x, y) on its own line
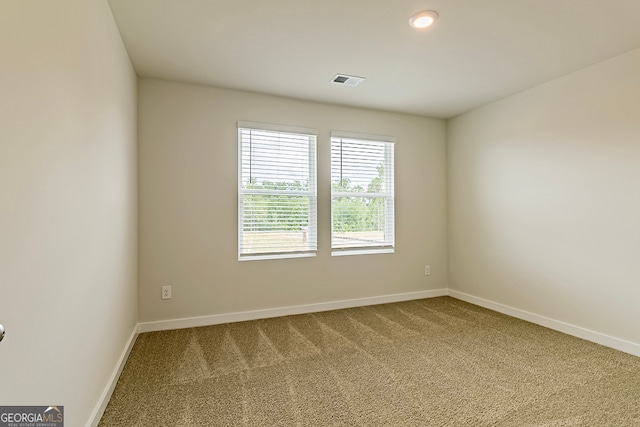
(343, 79)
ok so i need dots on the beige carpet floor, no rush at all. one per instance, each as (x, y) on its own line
(433, 362)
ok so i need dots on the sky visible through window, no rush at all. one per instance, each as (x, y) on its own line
(274, 157)
(357, 161)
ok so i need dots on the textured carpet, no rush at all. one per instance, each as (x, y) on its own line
(433, 362)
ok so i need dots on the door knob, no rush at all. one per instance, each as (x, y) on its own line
(1, 332)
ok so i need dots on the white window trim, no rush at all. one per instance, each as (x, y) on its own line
(363, 136)
(364, 251)
(390, 228)
(277, 128)
(313, 172)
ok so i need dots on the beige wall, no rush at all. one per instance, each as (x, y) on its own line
(543, 204)
(544, 199)
(68, 209)
(188, 206)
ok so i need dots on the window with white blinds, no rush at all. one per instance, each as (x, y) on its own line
(362, 194)
(277, 199)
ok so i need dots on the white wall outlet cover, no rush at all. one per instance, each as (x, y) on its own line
(166, 292)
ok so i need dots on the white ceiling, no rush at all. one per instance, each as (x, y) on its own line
(477, 52)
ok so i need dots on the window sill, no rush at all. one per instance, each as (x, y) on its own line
(276, 256)
(345, 252)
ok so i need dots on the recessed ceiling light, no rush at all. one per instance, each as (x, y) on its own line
(423, 19)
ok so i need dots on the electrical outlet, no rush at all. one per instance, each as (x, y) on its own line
(427, 270)
(166, 292)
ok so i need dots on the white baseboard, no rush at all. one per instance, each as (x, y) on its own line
(216, 319)
(576, 331)
(113, 380)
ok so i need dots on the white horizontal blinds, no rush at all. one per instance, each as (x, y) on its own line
(362, 193)
(277, 191)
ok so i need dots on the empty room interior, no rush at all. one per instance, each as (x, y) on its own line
(320, 213)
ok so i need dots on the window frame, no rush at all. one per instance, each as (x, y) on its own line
(312, 192)
(388, 245)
